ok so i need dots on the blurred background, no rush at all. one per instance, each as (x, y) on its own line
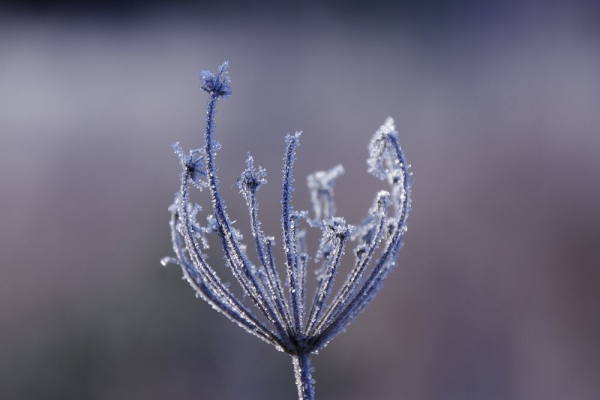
(497, 290)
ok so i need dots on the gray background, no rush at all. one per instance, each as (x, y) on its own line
(497, 291)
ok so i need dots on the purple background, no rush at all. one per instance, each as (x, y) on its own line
(497, 292)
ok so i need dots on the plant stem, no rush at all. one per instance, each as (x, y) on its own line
(302, 371)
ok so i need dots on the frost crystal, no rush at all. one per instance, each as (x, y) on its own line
(321, 186)
(251, 179)
(192, 164)
(218, 84)
(291, 325)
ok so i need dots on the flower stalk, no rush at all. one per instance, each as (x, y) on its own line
(291, 325)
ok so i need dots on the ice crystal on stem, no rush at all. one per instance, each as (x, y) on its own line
(292, 326)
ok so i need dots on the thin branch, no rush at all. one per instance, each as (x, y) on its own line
(240, 265)
(289, 241)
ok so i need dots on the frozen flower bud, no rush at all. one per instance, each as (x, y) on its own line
(251, 179)
(217, 84)
(379, 149)
(193, 164)
(207, 80)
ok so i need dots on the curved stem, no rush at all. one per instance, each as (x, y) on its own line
(273, 281)
(240, 265)
(356, 274)
(208, 286)
(302, 371)
(384, 265)
(325, 284)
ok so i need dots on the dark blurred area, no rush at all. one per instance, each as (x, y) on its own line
(497, 290)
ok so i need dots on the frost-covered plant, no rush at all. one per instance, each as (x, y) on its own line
(292, 326)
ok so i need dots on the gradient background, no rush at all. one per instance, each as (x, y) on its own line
(497, 293)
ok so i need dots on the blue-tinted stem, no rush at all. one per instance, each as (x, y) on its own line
(356, 274)
(207, 284)
(303, 375)
(240, 266)
(277, 281)
(289, 242)
(324, 287)
(272, 278)
(384, 264)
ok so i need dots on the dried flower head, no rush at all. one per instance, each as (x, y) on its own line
(292, 326)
